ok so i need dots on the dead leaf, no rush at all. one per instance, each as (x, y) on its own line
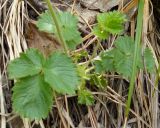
(85, 14)
(45, 42)
(16, 122)
(103, 5)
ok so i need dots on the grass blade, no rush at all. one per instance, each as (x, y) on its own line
(137, 46)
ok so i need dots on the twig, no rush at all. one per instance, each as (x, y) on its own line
(59, 111)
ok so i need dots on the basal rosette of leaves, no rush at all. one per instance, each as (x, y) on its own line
(68, 24)
(36, 79)
(120, 58)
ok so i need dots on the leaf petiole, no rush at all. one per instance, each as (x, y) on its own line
(55, 21)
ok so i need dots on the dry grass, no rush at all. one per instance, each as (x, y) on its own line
(108, 111)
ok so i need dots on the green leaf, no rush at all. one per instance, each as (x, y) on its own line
(67, 16)
(125, 44)
(99, 32)
(99, 81)
(149, 60)
(61, 73)
(32, 98)
(98, 66)
(110, 22)
(120, 58)
(28, 64)
(106, 62)
(124, 55)
(85, 97)
(78, 56)
(82, 72)
(45, 23)
(114, 22)
(123, 63)
(68, 24)
(69, 29)
(72, 37)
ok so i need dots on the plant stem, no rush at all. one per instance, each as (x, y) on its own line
(94, 53)
(55, 22)
(137, 47)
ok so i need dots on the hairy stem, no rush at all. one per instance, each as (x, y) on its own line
(55, 21)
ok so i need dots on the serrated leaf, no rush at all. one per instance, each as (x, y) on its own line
(149, 60)
(32, 98)
(72, 37)
(28, 64)
(111, 22)
(61, 73)
(68, 24)
(114, 22)
(98, 66)
(82, 72)
(85, 97)
(120, 58)
(123, 63)
(102, 34)
(67, 16)
(108, 60)
(69, 29)
(106, 63)
(99, 81)
(124, 55)
(125, 44)
(45, 23)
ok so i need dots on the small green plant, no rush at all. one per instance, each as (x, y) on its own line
(120, 58)
(38, 78)
(85, 97)
(68, 26)
(109, 23)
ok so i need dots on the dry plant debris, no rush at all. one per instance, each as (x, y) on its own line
(45, 42)
(18, 33)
